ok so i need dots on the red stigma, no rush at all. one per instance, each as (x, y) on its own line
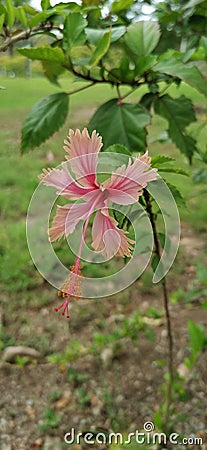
(64, 306)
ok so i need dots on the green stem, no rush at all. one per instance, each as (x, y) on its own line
(80, 89)
(132, 90)
(167, 312)
(119, 94)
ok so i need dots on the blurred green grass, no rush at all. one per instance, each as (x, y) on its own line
(19, 173)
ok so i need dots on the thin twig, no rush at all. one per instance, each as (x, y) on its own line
(167, 312)
(80, 89)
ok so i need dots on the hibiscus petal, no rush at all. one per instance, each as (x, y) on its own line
(83, 152)
(125, 185)
(145, 158)
(123, 197)
(108, 238)
(62, 180)
(68, 216)
(66, 219)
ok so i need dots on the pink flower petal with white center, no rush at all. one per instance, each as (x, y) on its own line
(130, 181)
(108, 238)
(83, 154)
(63, 181)
(68, 216)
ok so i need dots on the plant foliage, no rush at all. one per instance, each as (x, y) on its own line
(112, 49)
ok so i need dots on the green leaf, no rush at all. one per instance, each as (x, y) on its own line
(94, 35)
(2, 87)
(118, 148)
(147, 100)
(154, 263)
(2, 19)
(52, 71)
(144, 63)
(45, 117)
(21, 16)
(121, 123)
(45, 4)
(165, 242)
(180, 201)
(117, 32)
(120, 5)
(203, 43)
(179, 113)
(162, 239)
(123, 72)
(66, 7)
(142, 37)
(161, 159)
(119, 217)
(101, 49)
(174, 170)
(44, 53)
(2, 10)
(10, 13)
(30, 10)
(40, 17)
(73, 32)
(190, 74)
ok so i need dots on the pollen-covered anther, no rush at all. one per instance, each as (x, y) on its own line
(76, 268)
(71, 287)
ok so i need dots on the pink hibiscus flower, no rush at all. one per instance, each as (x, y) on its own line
(123, 187)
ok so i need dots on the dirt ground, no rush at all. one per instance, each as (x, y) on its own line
(116, 388)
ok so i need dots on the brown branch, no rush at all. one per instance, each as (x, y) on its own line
(11, 40)
(88, 77)
(167, 312)
(26, 34)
